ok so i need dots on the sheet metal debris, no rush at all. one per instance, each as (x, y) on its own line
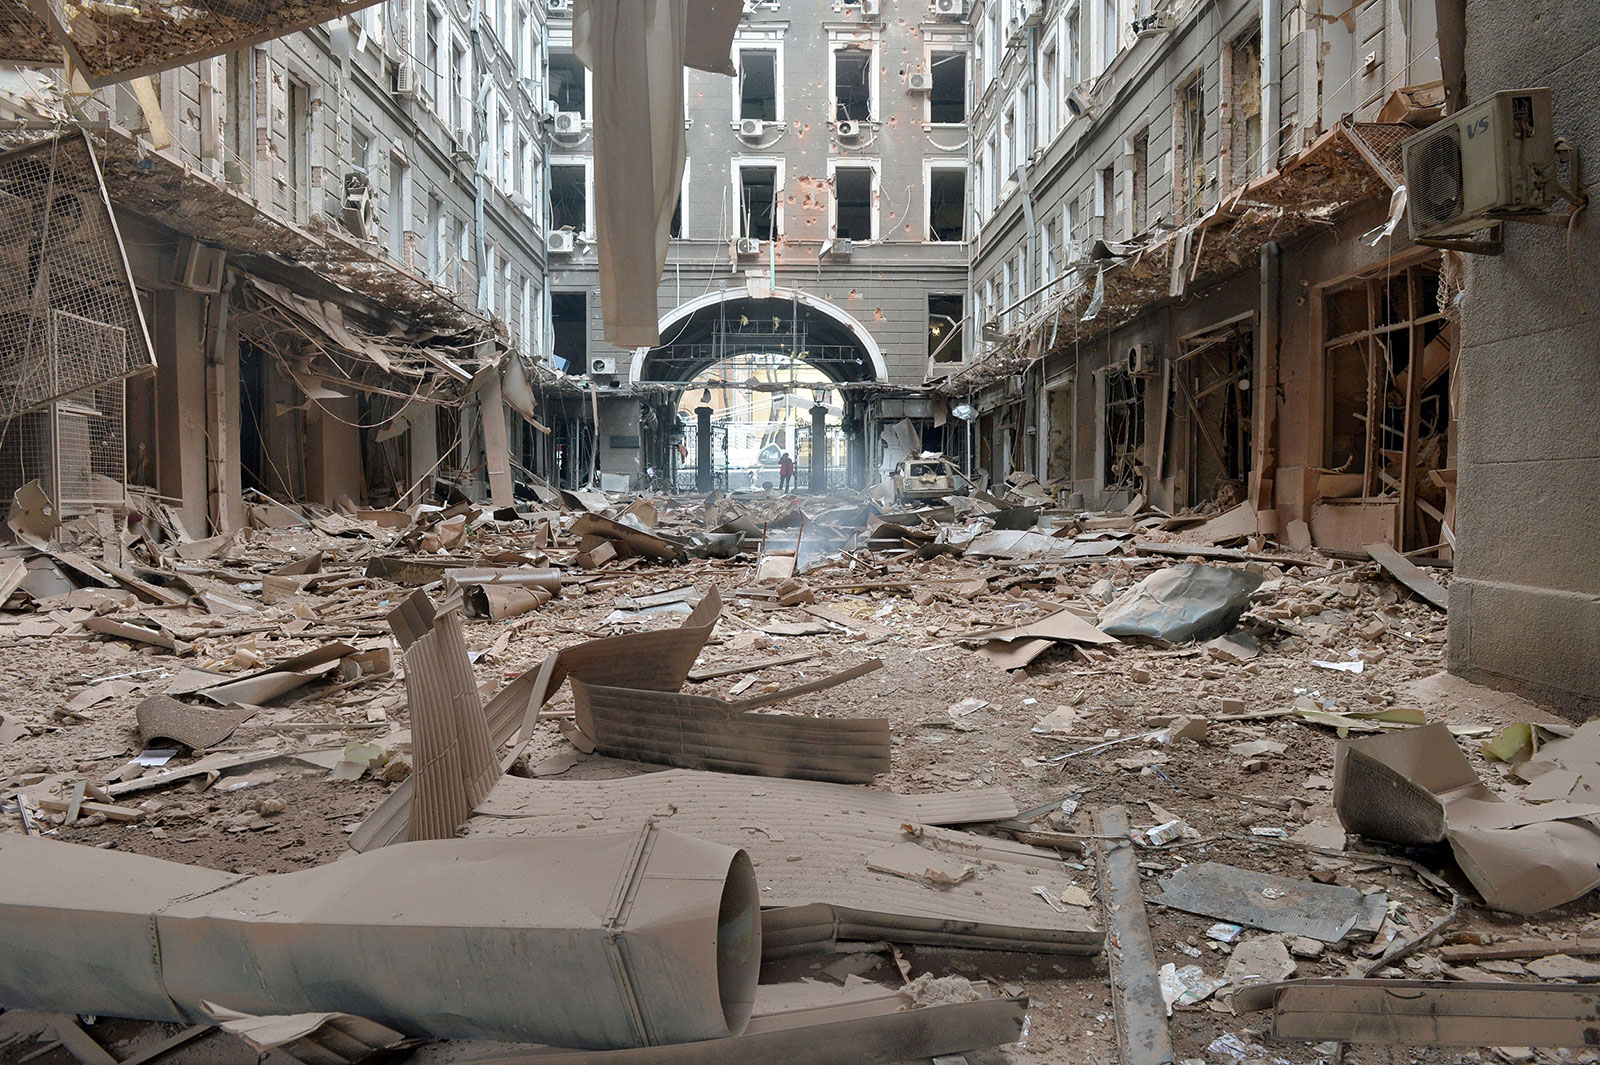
(1416, 788)
(642, 937)
(1182, 603)
(1273, 903)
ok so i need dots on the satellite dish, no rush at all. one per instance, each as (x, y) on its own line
(965, 411)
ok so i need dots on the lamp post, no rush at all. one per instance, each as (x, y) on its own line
(819, 441)
(703, 475)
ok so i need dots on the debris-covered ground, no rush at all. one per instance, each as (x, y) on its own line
(238, 703)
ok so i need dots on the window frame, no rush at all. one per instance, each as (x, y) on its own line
(739, 164)
(929, 166)
(874, 195)
(747, 43)
(587, 163)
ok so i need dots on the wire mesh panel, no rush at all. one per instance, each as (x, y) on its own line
(76, 448)
(69, 318)
(111, 42)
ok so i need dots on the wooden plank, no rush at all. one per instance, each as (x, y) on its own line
(111, 811)
(714, 672)
(1521, 948)
(169, 1044)
(1417, 1013)
(1143, 1037)
(1406, 572)
(78, 1042)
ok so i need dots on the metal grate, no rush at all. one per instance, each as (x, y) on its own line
(110, 42)
(69, 319)
(76, 448)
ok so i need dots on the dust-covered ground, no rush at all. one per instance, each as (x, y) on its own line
(1264, 807)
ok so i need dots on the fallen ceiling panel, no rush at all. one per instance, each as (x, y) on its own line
(811, 843)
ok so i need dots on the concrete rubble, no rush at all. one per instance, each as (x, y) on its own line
(255, 703)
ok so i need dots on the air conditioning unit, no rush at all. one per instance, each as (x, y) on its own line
(920, 83)
(602, 367)
(199, 267)
(567, 122)
(405, 79)
(1140, 359)
(751, 127)
(869, 8)
(842, 248)
(849, 130)
(358, 211)
(957, 8)
(461, 140)
(747, 246)
(1154, 24)
(559, 7)
(1492, 161)
(1080, 101)
(559, 242)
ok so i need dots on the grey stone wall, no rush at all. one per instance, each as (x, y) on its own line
(1525, 601)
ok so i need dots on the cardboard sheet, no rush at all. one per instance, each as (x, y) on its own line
(1415, 787)
(703, 732)
(828, 893)
(454, 764)
(639, 660)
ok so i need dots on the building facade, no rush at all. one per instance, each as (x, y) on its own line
(822, 222)
(1170, 287)
(337, 240)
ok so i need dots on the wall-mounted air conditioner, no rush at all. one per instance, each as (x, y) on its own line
(746, 246)
(1497, 160)
(1154, 23)
(751, 127)
(956, 8)
(1140, 359)
(358, 211)
(199, 267)
(405, 79)
(1080, 101)
(842, 248)
(559, 242)
(567, 122)
(920, 83)
(601, 366)
(561, 8)
(869, 8)
(848, 130)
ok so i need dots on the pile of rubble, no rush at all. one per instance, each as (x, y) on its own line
(758, 777)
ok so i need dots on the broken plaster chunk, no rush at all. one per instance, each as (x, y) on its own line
(1263, 959)
(1257, 748)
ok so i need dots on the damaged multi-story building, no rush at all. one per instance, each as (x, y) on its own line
(818, 253)
(333, 238)
(1187, 287)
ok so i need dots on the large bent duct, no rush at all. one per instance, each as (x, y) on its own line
(599, 941)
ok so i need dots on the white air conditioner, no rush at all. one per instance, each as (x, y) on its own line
(1492, 161)
(849, 130)
(920, 83)
(602, 367)
(746, 246)
(199, 266)
(559, 242)
(559, 7)
(1079, 101)
(567, 122)
(958, 8)
(1140, 359)
(405, 79)
(1154, 24)
(842, 248)
(358, 211)
(751, 127)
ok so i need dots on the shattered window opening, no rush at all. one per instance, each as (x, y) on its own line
(946, 318)
(569, 197)
(1244, 136)
(1141, 182)
(567, 85)
(1124, 429)
(853, 188)
(947, 102)
(1189, 184)
(947, 204)
(568, 321)
(758, 191)
(852, 85)
(758, 84)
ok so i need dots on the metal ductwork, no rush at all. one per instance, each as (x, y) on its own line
(601, 941)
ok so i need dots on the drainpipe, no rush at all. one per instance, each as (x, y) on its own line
(480, 122)
(1271, 90)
